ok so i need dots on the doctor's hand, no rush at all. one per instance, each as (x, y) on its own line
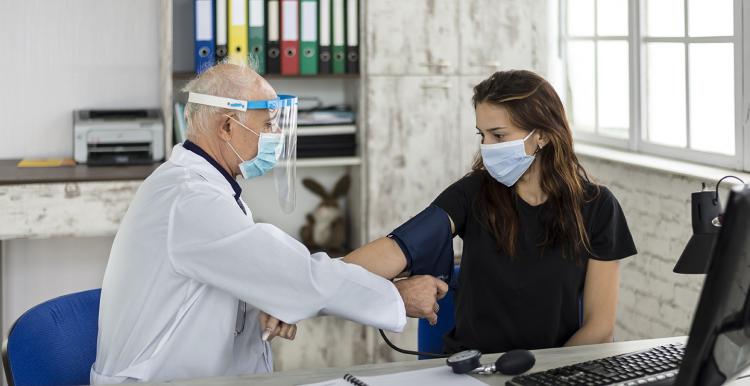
(420, 295)
(273, 327)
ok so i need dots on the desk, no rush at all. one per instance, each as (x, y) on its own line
(65, 201)
(545, 359)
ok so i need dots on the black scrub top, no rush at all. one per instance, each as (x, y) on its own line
(534, 300)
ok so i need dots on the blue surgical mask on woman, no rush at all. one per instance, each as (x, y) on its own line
(507, 161)
(269, 148)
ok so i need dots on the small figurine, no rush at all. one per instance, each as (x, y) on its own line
(326, 226)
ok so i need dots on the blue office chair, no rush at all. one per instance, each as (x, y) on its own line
(54, 343)
(430, 338)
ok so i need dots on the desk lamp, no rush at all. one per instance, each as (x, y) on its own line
(706, 213)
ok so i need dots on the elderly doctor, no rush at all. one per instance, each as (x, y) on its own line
(194, 287)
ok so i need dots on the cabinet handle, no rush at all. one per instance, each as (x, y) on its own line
(442, 86)
(490, 64)
(72, 190)
(440, 64)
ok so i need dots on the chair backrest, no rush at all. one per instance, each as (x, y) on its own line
(54, 343)
(430, 338)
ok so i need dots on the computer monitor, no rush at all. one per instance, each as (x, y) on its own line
(719, 344)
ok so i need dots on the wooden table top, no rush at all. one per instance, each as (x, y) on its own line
(10, 174)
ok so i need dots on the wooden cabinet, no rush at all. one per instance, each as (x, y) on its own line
(468, 139)
(501, 35)
(411, 37)
(412, 153)
(325, 341)
(423, 60)
(469, 37)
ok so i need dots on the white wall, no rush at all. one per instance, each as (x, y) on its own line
(38, 270)
(59, 56)
(63, 55)
(654, 301)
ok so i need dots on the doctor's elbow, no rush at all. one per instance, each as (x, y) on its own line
(400, 327)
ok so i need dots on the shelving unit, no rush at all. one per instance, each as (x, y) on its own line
(176, 71)
(328, 161)
(189, 75)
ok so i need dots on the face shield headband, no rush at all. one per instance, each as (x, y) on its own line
(283, 111)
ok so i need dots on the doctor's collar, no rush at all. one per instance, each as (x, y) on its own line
(232, 181)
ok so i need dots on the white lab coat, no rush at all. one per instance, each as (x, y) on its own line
(185, 255)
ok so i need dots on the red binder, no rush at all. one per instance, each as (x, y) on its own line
(289, 37)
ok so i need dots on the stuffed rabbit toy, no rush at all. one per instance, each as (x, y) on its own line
(326, 227)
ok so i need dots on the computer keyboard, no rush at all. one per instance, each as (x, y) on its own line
(655, 366)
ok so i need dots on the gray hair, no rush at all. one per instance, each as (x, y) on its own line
(228, 78)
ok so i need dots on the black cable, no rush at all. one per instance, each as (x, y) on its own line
(409, 352)
(716, 196)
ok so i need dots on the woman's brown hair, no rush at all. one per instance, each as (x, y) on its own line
(533, 104)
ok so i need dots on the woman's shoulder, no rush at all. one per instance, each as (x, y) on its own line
(464, 190)
(470, 183)
(596, 195)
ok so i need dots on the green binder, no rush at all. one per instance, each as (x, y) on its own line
(338, 27)
(256, 37)
(308, 45)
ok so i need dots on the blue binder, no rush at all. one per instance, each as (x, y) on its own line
(204, 35)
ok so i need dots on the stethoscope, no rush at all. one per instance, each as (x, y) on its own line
(469, 361)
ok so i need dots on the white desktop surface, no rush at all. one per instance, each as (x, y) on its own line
(545, 359)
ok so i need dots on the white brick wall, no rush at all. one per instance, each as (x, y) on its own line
(654, 301)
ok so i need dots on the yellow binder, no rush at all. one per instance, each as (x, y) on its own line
(237, 15)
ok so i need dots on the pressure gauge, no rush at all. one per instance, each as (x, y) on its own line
(465, 361)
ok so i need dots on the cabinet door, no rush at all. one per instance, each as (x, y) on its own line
(412, 146)
(69, 209)
(326, 341)
(411, 37)
(468, 139)
(503, 35)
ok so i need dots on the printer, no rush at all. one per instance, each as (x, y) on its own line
(118, 137)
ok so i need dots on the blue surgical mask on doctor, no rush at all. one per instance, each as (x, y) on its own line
(507, 161)
(269, 149)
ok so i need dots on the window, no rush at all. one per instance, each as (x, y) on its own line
(662, 77)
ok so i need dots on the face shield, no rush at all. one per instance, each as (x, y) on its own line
(281, 120)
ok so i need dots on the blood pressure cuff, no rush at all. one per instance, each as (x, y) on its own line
(427, 243)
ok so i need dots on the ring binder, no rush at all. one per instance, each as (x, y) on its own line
(352, 36)
(204, 35)
(237, 29)
(308, 39)
(273, 62)
(354, 380)
(256, 35)
(338, 29)
(289, 37)
(221, 30)
(324, 36)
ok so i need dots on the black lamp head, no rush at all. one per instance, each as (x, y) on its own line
(706, 211)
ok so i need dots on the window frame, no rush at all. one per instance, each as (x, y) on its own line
(637, 81)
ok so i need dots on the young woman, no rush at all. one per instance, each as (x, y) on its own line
(541, 241)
